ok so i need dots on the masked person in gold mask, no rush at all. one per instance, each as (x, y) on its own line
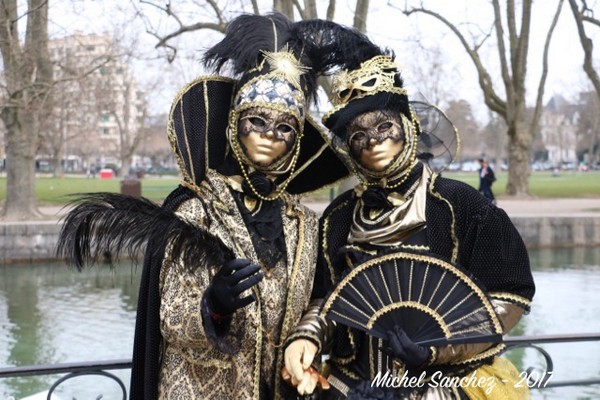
(231, 253)
(403, 210)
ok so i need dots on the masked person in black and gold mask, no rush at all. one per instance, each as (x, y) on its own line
(230, 261)
(401, 206)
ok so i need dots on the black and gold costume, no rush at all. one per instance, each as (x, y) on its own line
(401, 206)
(459, 226)
(232, 205)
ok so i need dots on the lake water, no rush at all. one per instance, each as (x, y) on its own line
(51, 314)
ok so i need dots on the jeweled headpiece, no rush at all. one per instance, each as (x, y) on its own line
(373, 76)
(279, 88)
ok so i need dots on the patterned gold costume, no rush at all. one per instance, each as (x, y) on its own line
(192, 365)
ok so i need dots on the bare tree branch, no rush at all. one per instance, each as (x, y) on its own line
(492, 100)
(255, 7)
(586, 44)
(360, 15)
(537, 113)
(300, 9)
(504, 70)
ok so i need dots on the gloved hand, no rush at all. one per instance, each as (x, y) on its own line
(233, 278)
(402, 347)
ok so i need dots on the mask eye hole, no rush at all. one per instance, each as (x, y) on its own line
(384, 127)
(345, 93)
(284, 128)
(258, 122)
(357, 138)
(370, 83)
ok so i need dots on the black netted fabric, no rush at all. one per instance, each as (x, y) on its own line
(146, 346)
(490, 246)
(200, 111)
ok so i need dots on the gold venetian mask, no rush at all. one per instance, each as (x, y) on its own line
(376, 139)
(266, 135)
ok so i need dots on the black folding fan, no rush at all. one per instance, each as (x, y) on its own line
(434, 302)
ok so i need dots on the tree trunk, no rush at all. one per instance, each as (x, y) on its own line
(360, 15)
(519, 158)
(28, 75)
(20, 167)
(285, 7)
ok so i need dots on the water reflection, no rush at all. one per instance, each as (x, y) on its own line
(57, 315)
(51, 314)
(566, 301)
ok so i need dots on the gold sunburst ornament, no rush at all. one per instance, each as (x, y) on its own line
(285, 65)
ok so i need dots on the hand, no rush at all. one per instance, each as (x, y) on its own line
(404, 348)
(309, 381)
(233, 278)
(298, 357)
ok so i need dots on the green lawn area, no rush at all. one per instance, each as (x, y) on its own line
(567, 184)
(56, 191)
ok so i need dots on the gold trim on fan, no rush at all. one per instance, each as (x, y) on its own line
(409, 304)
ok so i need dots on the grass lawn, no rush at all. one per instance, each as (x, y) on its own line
(568, 184)
(56, 191)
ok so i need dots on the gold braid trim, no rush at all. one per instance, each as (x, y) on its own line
(258, 347)
(453, 225)
(512, 298)
(293, 212)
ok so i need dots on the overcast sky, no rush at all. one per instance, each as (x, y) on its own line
(386, 25)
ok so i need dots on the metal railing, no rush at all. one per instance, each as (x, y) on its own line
(541, 379)
(72, 370)
(535, 379)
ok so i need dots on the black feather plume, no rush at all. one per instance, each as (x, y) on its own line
(244, 39)
(331, 46)
(247, 36)
(116, 224)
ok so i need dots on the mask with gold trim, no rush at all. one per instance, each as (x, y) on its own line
(376, 86)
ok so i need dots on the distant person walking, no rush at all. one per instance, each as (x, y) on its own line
(486, 179)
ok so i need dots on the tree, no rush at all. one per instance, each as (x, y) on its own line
(461, 115)
(512, 43)
(27, 96)
(588, 128)
(583, 16)
(77, 61)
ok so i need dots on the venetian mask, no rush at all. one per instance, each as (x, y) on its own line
(375, 139)
(266, 135)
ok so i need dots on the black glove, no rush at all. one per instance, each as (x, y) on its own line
(402, 347)
(233, 278)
